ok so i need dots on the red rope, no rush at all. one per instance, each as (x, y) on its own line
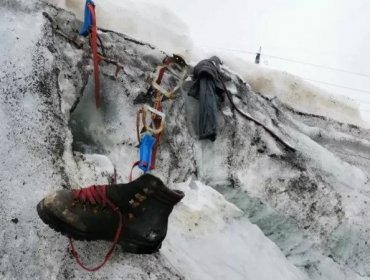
(132, 168)
(94, 47)
(160, 75)
(97, 194)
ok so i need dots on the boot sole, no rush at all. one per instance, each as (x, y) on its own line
(66, 230)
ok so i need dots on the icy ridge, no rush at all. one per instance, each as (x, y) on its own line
(313, 203)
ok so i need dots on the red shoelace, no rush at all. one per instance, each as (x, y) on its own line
(97, 195)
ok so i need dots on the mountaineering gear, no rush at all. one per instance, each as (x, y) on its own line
(174, 65)
(89, 28)
(146, 128)
(206, 87)
(88, 19)
(146, 148)
(134, 215)
(149, 138)
(177, 67)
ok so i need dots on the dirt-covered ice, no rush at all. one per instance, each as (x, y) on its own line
(253, 209)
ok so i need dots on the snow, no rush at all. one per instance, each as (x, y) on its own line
(143, 20)
(150, 26)
(295, 92)
(205, 229)
(252, 210)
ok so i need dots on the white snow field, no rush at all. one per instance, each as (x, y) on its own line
(252, 208)
(143, 20)
(297, 93)
(157, 24)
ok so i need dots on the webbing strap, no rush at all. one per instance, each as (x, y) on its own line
(157, 122)
(154, 153)
(161, 74)
(94, 47)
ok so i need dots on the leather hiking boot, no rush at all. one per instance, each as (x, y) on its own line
(140, 208)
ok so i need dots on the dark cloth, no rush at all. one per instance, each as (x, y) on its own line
(208, 67)
(207, 88)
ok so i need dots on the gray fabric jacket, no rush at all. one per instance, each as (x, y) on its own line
(207, 85)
